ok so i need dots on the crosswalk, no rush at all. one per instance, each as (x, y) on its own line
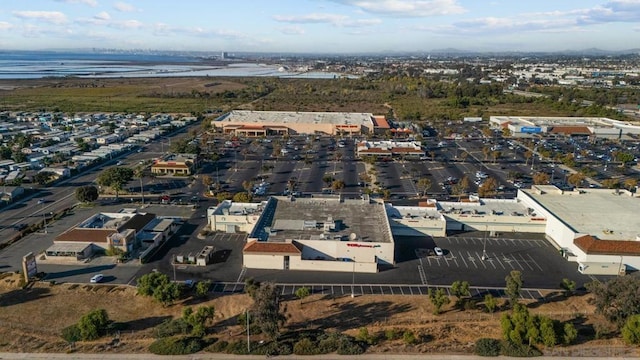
(378, 289)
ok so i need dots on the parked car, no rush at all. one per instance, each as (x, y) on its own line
(97, 278)
(438, 251)
(19, 227)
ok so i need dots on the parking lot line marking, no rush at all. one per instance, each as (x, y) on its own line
(507, 260)
(446, 261)
(391, 289)
(490, 261)
(472, 259)
(480, 260)
(525, 261)
(465, 263)
(535, 262)
(478, 293)
(497, 258)
(455, 261)
(371, 286)
(381, 290)
(516, 261)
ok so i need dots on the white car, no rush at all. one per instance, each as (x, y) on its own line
(96, 278)
(438, 251)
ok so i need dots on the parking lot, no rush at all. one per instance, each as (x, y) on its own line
(289, 290)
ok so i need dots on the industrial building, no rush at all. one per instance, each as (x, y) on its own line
(565, 126)
(264, 123)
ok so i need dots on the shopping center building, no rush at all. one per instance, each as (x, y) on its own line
(330, 233)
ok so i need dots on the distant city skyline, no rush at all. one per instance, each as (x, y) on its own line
(320, 26)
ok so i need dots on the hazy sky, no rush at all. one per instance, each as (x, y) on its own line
(341, 26)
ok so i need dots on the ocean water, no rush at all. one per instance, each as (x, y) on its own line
(41, 64)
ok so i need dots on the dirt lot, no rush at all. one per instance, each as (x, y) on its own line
(31, 319)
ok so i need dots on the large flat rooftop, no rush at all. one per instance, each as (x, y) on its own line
(602, 213)
(304, 219)
(292, 117)
(556, 120)
(486, 206)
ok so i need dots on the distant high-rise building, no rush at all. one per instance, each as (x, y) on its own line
(223, 55)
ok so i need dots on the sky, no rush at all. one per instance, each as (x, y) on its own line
(320, 26)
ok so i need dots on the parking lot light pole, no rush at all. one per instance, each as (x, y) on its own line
(484, 244)
(248, 333)
(353, 279)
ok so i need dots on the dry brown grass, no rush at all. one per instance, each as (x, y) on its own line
(32, 319)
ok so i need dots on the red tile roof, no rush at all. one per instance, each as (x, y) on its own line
(374, 151)
(266, 247)
(407, 150)
(380, 122)
(170, 166)
(591, 245)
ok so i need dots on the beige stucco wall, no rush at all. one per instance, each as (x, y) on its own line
(328, 265)
(363, 252)
(259, 261)
(243, 223)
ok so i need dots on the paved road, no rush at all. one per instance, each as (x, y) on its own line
(204, 356)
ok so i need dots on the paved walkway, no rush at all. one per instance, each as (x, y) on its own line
(206, 356)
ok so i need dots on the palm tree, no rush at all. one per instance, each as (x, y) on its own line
(138, 173)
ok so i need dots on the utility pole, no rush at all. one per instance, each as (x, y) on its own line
(248, 334)
(44, 215)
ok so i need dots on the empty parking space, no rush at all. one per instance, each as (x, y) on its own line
(289, 290)
(487, 254)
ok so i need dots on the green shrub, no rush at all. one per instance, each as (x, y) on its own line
(172, 327)
(508, 348)
(409, 337)
(71, 333)
(487, 347)
(305, 347)
(329, 342)
(237, 348)
(217, 347)
(392, 334)
(364, 336)
(176, 346)
(284, 349)
(347, 346)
